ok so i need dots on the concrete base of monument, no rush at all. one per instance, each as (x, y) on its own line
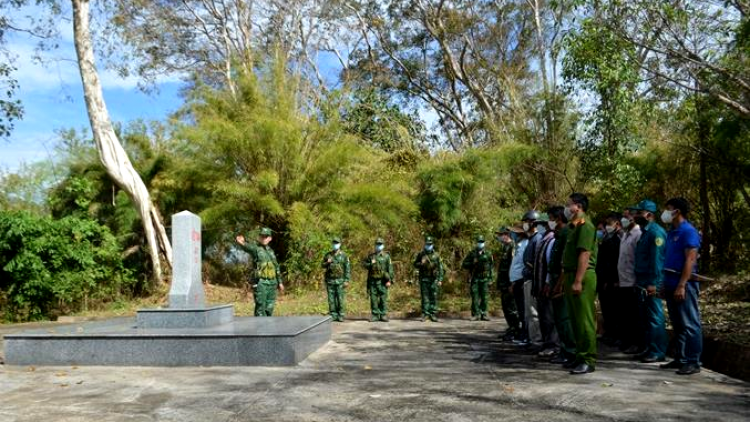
(185, 317)
(274, 341)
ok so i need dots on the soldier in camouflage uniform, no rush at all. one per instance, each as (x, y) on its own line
(480, 264)
(379, 279)
(337, 277)
(266, 276)
(431, 273)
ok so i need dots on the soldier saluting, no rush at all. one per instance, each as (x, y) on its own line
(266, 276)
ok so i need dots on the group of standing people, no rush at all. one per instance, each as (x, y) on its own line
(549, 270)
(558, 263)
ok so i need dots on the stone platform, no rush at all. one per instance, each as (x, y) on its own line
(185, 317)
(274, 341)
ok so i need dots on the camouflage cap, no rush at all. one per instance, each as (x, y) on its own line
(502, 230)
(265, 231)
(480, 238)
(428, 240)
(336, 239)
(379, 241)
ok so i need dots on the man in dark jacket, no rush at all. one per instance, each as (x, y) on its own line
(608, 279)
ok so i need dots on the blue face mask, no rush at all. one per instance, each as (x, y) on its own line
(336, 246)
(379, 247)
(428, 248)
(514, 237)
(599, 234)
(480, 245)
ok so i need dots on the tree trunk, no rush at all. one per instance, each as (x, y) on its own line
(703, 189)
(111, 153)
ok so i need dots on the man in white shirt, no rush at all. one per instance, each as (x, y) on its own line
(629, 321)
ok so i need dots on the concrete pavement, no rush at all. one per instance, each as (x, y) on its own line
(401, 371)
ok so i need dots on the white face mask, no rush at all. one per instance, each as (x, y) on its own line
(480, 245)
(667, 216)
(568, 213)
(609, 229)
(526, 227)
(552, 225)
(379, 247)
(625, 222)
(336, 246)
(428, 248)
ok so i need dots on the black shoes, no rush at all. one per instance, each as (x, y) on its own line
(671, 365)
(484, 318)
(652, 359)
(570, 364)
(689, 369)
(633, 350)
(582, 369)
(559, 359)
(507, 336)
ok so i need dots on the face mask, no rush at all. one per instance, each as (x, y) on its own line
(552, 225)
(599, 234)
(625, 223)
(480, 245)
(667, 216)
(526, 227)
(514, 237)
(336, 246)
(541, 230)
(379, 247)
(641, 221)
(428, 248)
(610, 229)
(568, 213)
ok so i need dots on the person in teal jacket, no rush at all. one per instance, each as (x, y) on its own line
(649, 264)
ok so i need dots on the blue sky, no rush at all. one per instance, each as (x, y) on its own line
(52, 98)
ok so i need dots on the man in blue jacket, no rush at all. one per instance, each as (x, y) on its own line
(649, 266)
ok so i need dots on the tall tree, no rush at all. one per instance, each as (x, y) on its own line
(111, 153)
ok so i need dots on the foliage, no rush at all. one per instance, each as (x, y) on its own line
(263, 161)
(51, 266)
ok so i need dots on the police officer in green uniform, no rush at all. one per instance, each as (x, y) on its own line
(379, 279)
(649, 265)
(430, 268)
(266, 276)
(504, 259)
(337, 276)
(579, 263)
(480, 264)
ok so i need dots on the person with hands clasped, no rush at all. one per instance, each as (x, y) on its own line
(379, 279)
(337, 276)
